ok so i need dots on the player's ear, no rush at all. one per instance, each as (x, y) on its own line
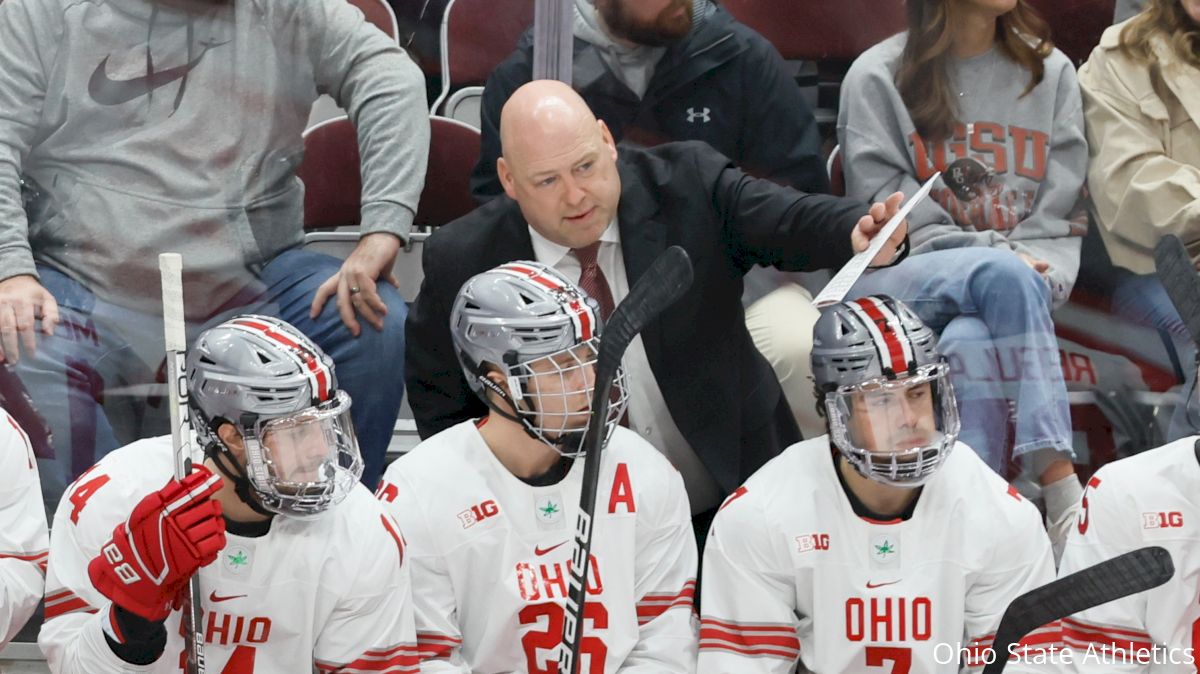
(233, 440)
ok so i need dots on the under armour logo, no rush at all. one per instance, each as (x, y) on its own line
(702, 115)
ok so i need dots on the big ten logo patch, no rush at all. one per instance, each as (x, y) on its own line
(812, 542)
(478, 513)
(1162, 520)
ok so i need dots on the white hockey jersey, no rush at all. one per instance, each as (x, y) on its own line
(790, 572)
(330, 594)
(489, 559)
(23, 536)
(1152, 498)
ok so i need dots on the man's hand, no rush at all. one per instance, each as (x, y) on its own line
(168, 537)
(355, 283)
(22, 301)
(869, 225)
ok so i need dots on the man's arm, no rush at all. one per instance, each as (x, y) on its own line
(23, 536)
(439, 641)
(505, 79)
(749, 613)
(665, 565)
(27, 37)
(372, 630)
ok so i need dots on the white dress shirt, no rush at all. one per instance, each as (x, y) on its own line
(648, 413)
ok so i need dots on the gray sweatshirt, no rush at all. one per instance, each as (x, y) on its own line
(1035, 145)
(142, 128)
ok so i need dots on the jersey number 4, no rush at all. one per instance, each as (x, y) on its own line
(548, 639)
(881, 656)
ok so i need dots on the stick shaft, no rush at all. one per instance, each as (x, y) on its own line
(175, 335)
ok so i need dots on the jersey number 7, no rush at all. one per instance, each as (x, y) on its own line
(881, 656)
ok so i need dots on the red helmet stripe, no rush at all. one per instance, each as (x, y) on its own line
(308, 360)
(584, 318)
(879, 324)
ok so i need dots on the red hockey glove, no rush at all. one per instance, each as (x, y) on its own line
(170, 534)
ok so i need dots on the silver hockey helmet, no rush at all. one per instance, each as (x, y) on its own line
(542, 333)
(279, 390)
(887, 391)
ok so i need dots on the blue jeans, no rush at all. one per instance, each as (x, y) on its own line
(1141, 299)
(89, 380)
(993, 314)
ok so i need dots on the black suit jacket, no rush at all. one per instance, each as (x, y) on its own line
(719, 389)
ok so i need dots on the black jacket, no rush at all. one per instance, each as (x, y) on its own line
(720, 391)
(723, 84)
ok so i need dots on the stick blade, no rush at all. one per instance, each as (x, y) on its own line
(1175, 270)
(1135, 571)
(667, 279)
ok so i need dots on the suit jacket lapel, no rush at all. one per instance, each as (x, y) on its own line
(512, 241)
(643, 239)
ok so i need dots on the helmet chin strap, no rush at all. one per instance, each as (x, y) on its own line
(558, 443)
(231, 469)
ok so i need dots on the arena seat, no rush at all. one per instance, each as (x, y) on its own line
(818, 30)
(476, 36)
(1076, 25)
(380, 14)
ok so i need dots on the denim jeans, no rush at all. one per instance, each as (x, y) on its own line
(1141, 299)
(89, 380)
(993, 314)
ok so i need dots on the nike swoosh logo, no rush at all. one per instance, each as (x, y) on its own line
(872, 586)
(107, 91)
(537, 550)
(216, 598)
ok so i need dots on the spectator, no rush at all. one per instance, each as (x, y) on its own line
(699, 392)
(23, 536)
(479, 603)
(1140, 102)
(869, 504)
(176, 126)
(1126, 9)
(672, 70)
(976, 90)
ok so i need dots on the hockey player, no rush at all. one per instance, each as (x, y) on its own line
(488, 507)
(884, 546)
(308, 571)
(1152, 498)
(23, 537)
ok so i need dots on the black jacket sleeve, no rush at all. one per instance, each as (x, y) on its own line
(437, 392)
(770, 224)
(505, 79)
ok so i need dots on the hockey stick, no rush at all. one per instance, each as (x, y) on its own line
(1178, 275)
(170, 267)
(663, 283)
(1135, 571)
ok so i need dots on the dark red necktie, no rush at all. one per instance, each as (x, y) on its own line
(591, 278)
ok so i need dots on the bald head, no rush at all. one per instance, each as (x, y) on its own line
(543, 114)
(558, 162)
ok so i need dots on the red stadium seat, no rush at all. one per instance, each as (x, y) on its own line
(333, 185)
(380, 14)
(476, 36)
(817, 30)
(1076, 25)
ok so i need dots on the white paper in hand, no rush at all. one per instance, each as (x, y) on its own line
(841, 283)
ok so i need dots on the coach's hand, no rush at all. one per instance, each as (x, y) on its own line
(22, 301)
(355, 283)
(168, 537)
(869, 225)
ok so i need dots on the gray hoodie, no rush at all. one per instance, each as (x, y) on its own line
(633, 65)
(1035, 145)
(143, 128)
